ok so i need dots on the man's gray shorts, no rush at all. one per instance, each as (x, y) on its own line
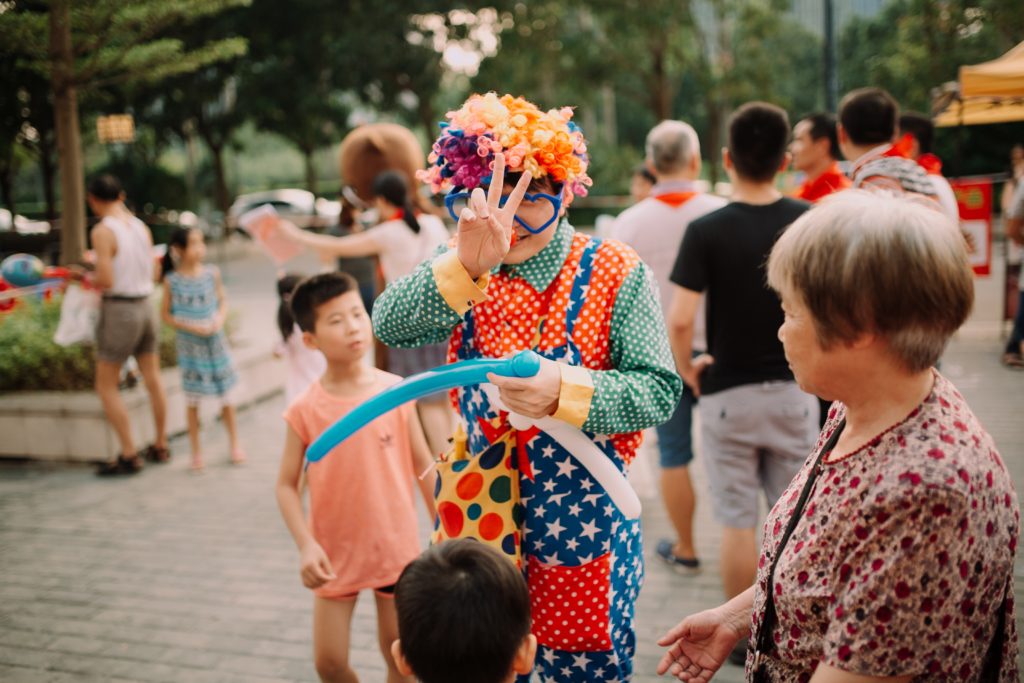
(127, 327)
(754, 436)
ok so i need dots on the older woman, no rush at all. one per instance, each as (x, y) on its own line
(890, 555)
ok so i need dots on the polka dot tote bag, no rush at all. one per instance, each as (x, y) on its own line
(478, 496)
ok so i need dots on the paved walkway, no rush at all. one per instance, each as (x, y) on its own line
(171, 576)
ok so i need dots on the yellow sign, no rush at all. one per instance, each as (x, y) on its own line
(115, 128)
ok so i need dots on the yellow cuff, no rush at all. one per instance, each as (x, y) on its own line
(575, 396)
(456, 286)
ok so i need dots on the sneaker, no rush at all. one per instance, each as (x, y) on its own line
(686, 566)
(121, 465)
(738, 656)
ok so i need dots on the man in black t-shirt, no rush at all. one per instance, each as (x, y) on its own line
(757, 426)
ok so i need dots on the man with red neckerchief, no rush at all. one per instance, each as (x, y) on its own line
(868, 118)
(815, 151)
(917, 131)
(655, 227)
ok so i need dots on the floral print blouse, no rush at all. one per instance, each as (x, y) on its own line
(903, 556)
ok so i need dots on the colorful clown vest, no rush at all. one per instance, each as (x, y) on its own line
(582, 557)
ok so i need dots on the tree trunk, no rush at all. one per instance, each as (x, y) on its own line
(661, 97)
(220, 183)
(49, 173)
(69, 141)
(310, 162)
(7, 188)
(609, 118)
(714, 139)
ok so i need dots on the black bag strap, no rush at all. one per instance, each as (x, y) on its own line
(764, 634)
(994, 656)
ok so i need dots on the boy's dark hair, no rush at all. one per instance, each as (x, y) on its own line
(823, 125)
(285, 286)
(105, 187)
(921, 127)
(314, 292)
(869, 116)
(463, 612)
(758, 137)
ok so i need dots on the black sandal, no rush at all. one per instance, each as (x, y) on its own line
(121, 465)
(157, 455)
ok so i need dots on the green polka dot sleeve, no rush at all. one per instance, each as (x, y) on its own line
(411, 311)
(643, 389)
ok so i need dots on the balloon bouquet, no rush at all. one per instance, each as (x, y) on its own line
(23, 275)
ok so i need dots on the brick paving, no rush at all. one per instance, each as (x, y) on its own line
(171, 576)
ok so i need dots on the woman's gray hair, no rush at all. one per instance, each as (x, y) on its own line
(671, 145)
(868, 263)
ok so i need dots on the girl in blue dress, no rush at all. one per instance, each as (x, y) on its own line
(195, 305)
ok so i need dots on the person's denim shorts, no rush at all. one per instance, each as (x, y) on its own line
(675, 440)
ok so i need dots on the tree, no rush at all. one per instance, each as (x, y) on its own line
(299, 73)
(913, 46)
(103, 42)
(310, 66)
(673, 58)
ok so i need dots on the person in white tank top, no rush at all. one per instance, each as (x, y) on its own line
(133, 261)
(127, 326)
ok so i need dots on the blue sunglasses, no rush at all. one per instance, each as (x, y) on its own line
(455, 201)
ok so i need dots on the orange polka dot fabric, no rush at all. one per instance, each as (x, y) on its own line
(509, 320)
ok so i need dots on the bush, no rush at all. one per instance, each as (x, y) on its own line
(30, 361)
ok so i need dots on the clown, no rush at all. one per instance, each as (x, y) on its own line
(518, 276)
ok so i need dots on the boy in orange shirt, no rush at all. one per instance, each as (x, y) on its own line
(362, 529)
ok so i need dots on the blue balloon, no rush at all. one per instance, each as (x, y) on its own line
(22, 270)
(465, 373)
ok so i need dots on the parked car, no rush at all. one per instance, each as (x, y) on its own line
(22, 225)
(301, 207)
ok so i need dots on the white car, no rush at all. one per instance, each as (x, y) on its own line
(22, 225)
(299, 206)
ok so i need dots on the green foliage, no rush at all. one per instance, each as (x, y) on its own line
(146, 183)
(30, 361)
(115, 41)
(628, 64)
(913, 46)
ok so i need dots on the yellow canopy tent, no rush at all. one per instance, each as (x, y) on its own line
(990, 92)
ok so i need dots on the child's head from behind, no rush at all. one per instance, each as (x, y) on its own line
(329, 311)
(463, 616)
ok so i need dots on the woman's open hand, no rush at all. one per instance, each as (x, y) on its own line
(698, 646)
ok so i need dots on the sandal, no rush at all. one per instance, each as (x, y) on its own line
(1013, 360)
(121, 465)
(197, 462)
(237, 456)
(157, 455)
